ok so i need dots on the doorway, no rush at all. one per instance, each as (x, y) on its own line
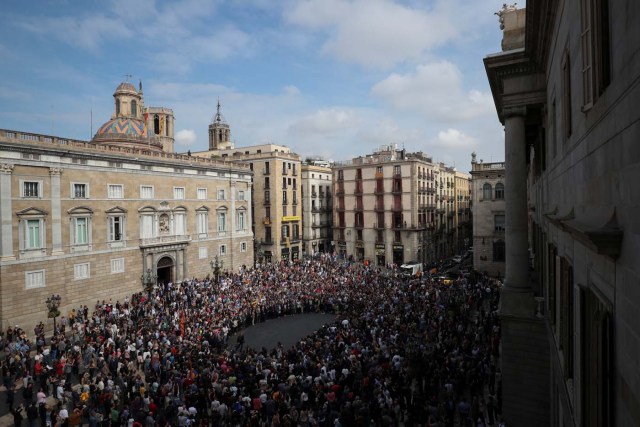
(165, 270)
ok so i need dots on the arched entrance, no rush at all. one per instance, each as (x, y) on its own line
(165, 270)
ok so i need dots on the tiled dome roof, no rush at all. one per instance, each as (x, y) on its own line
(123, 126)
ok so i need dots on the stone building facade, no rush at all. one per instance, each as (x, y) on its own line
(462, 204)
(276, 199)
(566, 89)
(392, 207)
(86, 219)
(488, 217)
(317, 190)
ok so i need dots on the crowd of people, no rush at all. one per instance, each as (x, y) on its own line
(410, 352)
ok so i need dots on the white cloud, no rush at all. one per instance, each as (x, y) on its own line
(453, 138)
(377, 33)
(186, 137)
(324, 122)
(291, 90)
(436, 91)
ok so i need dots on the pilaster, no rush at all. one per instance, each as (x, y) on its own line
(6, 220)
(56, 212)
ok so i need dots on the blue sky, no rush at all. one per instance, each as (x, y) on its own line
(330, 78)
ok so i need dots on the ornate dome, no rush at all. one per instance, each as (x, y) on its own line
(123, 127)
(126, 87)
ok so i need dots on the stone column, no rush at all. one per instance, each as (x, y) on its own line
(516, 230)
(6, 223)
(56, 213)
(525, 345)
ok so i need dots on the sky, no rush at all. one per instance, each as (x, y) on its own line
(333, 79)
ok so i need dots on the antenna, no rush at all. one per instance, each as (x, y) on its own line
(127, 77)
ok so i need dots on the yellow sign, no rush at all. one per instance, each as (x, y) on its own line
(291, 218)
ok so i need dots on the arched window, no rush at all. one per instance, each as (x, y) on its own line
(156, 124)
(117, 107)
(134, 108)
(498, 251)
(486, 191)
(499, 191)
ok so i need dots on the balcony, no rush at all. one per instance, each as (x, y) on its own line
(431, 190)
(266, 221)
(397, 208)
(266, 241)
(379, 190)
(284, 171)
(164, 240)
(266, 172)
(379, 175)
(266, 202)
(379, 208)
(379, 225)
(358, 191)
(314, 194)
(339, 209)
(358, 208)
(397, 190)
(340, 191)
(440, 210)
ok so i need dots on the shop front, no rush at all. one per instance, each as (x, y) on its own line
(380, 255)
(398, 254)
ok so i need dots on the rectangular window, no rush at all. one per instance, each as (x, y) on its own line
(34, 279)
(222, 221)
(285, 231)
(180, 224)
(178, 193)
(296, 231)
(146, 226)
(267, 198)
(31, 189)
(116, 229)
(115, 191)
(499, 222)
(80, 191)
(223, 249)
(202, 222)
(203, 252)
(243, 246)
(240, 221)
(81, 232)
(240, 195)
(33, 234)
(117, 265)
(396, 170)
(220, 194)
(202, 193)
(146, 192)
(566, 95)
(81, 271)
(284, 197)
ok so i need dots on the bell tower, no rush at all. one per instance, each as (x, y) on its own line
(219, 132)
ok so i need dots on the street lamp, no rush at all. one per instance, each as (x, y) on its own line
(53, 302)
(216, 266)
(148, 280)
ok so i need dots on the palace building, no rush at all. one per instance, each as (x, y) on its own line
(86, 219)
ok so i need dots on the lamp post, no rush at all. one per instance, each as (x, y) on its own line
(53, 302)
(148, 280)
(216, 266)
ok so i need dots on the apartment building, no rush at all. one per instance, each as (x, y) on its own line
(317, 191)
